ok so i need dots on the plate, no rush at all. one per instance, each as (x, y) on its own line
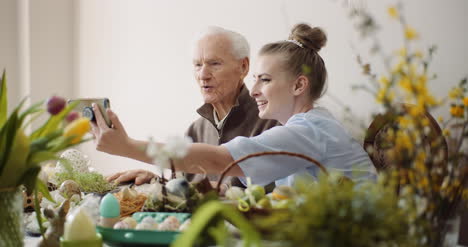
(132, 237)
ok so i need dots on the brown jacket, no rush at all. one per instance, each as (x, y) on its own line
(242, 120)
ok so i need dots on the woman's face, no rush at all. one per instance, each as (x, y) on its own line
(273, 88)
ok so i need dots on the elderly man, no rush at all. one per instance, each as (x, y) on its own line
(220, 62)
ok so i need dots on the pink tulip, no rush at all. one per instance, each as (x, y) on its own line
(72, 116)
(55, 105)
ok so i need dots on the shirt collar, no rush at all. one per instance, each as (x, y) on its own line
(207, 110)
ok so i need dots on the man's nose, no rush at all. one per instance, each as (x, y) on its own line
(205, 73)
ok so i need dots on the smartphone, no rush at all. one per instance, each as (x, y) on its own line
(85, 108)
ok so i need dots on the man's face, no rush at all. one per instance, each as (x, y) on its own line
(217, 71)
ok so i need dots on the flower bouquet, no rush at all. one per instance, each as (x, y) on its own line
(23, 153)
(426, 161)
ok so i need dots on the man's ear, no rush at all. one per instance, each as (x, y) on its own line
(245, 64)
(301, 85)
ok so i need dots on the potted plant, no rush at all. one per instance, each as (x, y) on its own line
(23, 153)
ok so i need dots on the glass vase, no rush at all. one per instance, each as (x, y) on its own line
(11, 217)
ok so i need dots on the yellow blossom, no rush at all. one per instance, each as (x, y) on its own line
(446, 132)
(381, 95)
(405, 83)
(77, 129)
(425, 122)
(465, 101)
(418, 54)
(403, 141)
(404, 122)
(384, 80)
(402, 52)
(410, 33)
(392, 12)
(391, 96)
(417, 110)
(440, 119)
(455, 93)
(399, 67)
(457, 111)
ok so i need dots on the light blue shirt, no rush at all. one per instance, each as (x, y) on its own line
(315, 133)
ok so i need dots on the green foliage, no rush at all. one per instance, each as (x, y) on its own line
(329, 213)
(91, 182)
(202, 225)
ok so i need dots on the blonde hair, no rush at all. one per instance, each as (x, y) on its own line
(300, 52)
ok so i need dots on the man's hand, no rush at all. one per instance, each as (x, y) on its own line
(110, 140)
(140, 176)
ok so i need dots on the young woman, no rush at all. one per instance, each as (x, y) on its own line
(289, 79)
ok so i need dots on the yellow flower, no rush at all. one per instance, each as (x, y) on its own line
(380, 95)
(465, 101)
(404, 122)
(392, 12)
(446, 132)
(405, 83)
(384, 80)
(457, 111)
(403, 141)
(402, 52)
(77, 129)
(440, 119)
(418, 54)
(410, 33)
(417, 110)
(399, 67)
(455, 93)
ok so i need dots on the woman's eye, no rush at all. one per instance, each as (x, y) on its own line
(265, 79)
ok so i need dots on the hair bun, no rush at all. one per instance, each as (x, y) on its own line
(312, 38)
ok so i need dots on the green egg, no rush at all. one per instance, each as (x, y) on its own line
(109, 207)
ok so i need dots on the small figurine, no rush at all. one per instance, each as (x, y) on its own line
(56, 228)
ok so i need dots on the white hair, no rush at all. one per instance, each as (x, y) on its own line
(239, 44)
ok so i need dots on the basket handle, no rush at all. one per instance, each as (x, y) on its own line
(302, 156)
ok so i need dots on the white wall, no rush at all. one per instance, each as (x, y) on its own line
(37, 48)
(9, 48)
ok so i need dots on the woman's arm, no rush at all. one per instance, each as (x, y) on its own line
(200, 158)
(207, 158)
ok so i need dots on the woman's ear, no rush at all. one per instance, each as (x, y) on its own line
(301, 85)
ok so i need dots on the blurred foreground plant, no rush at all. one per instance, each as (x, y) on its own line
(22, 154)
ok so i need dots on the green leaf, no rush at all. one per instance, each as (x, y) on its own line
(7, 136)
(210, 210)
(3, 100)
(42, 187)
(29, 178)
(53, 123)
(37, 209)
(31, 110)
(41, 156)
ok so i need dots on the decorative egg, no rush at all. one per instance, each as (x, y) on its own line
(148, 223)
(234, 193)
(78, 161)
(171, 223)
(122, 225)
(110, 206)
(178, 187)
(69, 188)
(79, 226)
(130, 221)
(185, 225)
